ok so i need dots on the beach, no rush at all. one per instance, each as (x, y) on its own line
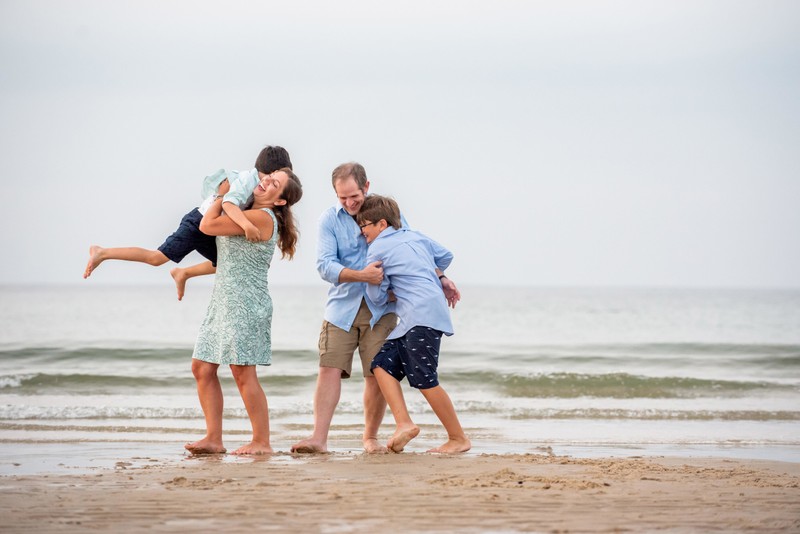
(411, 492)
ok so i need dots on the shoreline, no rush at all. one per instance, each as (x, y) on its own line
(354, 492)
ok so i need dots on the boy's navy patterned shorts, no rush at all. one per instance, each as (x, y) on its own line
(188, 238)
(415, 356)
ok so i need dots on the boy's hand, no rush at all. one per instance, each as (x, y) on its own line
(373, 273)
(451, 292)
(224, 187)
(252, 233)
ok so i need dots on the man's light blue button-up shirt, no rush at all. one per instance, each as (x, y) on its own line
(410, 260)
(341, 245)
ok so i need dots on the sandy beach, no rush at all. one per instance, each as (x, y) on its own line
(344, 492)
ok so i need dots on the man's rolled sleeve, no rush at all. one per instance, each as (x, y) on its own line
(328, 264)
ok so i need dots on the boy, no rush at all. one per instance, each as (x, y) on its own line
(409, 260)
(188, 237)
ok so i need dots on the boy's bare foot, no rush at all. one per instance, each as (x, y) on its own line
(95, 259)
(179, 275)
(205, 446)
(401, 437)
(308, 446)
(253, 448)
(372, 446)
(453, 446)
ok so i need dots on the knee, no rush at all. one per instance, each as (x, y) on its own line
(203, 370)
(243, 374)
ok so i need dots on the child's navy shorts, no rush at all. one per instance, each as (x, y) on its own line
(415, 356)
(187, 238)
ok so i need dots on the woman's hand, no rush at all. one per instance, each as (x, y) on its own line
(224, 187)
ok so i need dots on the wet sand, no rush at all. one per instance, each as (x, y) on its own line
(411, 492)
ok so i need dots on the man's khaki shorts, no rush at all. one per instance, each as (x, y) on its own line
(337, 346)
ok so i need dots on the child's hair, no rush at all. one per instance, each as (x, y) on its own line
(273, 158)
(352, 169)
(287, 229)
(376, 207)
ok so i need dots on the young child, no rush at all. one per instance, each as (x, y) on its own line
(188, 237)
(410, 260)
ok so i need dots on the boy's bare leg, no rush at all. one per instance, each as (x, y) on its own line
(405, 429)
(181, 274)
(326, 397)
(255, 401)
(374, 410)
(210, 393)
(442, 406)
(98, 255)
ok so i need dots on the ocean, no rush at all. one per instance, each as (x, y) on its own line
(93, 375)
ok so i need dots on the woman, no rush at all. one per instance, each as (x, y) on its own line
(236, 330)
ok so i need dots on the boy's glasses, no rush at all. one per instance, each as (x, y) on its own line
(365, 224)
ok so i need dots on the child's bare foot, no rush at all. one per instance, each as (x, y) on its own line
(253, 448)
(372, 446)
(205, 446)
(309, 446)
(402, 436)
(179, 275)
(95, 259)
(453, 446)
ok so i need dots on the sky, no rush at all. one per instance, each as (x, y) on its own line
(552, 143)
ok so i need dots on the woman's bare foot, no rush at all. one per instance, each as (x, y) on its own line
(454, 446)
(179, 275)
(95, 259)
(309, 446)
(401, 437)
(205, 446)
(372, 446)
(253, 448)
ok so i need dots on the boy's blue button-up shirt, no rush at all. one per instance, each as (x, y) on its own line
(410, 260)
(242, 185)
(341, 245)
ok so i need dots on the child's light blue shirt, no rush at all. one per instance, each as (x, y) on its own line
(409, 261)
(242, 185)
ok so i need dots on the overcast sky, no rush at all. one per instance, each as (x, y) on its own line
(545, 143)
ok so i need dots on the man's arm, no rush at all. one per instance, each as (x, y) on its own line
(330, 267)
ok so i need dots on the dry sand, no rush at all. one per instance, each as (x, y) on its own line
(410, 493)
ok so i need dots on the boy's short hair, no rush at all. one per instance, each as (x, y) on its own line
(347, 170)
(272, 158)
(377, 207)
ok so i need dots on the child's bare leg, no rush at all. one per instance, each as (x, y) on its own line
(98, 255)
(181, 275)
(405, 429)
(210, 393)
(442, 406)
(255, 401)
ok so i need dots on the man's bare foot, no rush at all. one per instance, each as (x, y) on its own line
(401, 437)
(95, 259)
(179, 275)
(453, 446)
(253, 448)
(372, 446)
(205, 446)
(308, 446)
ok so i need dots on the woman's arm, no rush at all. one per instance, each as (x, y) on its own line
(215, 222)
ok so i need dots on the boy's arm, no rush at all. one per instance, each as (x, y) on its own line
(237, 215)
(378, 293)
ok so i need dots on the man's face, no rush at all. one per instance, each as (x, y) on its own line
(351, 197)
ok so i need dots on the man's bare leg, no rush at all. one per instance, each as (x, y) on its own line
(181, 275)
(442, 406)
(326, 397)
(405, 429)
(374, 410)
(209, 392)
(255, 401)
(98, 255)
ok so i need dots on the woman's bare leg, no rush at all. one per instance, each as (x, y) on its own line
(255, 401)
(209, 392)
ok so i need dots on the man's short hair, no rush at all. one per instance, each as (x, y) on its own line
(346, 170)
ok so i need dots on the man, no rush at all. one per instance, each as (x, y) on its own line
(342, 261)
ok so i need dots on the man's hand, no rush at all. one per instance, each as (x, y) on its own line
(252, 233)
(451, 292)
(373, 273)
